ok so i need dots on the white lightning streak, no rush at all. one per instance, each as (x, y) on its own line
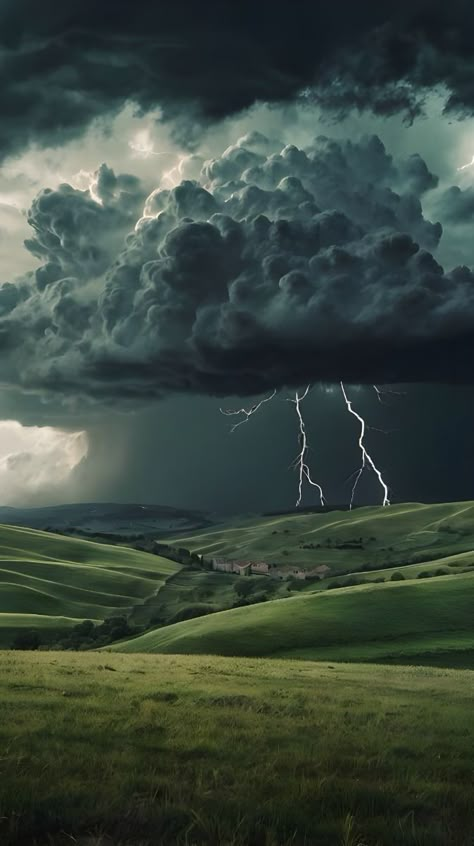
(378, 392)
(146, 152)
(300, 462)
(381, 392)
(366, 458)
(465, 166)
(247, 412)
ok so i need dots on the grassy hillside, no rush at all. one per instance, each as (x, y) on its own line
(401, 534)
(399, 619)
(50, 582)
(201, 589)
(140, 750)
(462, 562)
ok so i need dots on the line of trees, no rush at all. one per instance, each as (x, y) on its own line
(86, 635)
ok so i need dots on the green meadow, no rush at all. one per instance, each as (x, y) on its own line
(136, 750)
(317, 717)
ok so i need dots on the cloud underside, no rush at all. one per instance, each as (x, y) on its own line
(65, 65)
(273, 266)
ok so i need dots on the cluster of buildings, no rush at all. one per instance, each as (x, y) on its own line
(261, 568)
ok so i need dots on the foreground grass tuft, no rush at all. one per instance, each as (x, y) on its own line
(139, 750)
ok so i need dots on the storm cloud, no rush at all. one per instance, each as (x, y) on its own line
(65, 65)
(279, 266)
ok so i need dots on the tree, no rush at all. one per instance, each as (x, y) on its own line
(84, 629)
(27, 640)
(243, 587)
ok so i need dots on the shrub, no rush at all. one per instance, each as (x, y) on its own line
(425, 574)
(351, 581)
(84, 629)
(244, 586)
(27, 640)
(441, 572)
(397, 577)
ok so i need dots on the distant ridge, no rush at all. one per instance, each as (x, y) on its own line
(310, 509)
(110, 517)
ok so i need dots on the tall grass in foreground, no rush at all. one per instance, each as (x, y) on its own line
(115, 750)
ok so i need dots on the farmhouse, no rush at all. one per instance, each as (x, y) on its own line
(318, 572)
(261, 568)
(223, 565)
(242, 568)
(282, 573)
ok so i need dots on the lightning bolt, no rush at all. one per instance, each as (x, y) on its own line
(367, 460)
(300, 460)
(300, 463)
(465, 166)
(383, 392)
(379, 393)
(247, 412)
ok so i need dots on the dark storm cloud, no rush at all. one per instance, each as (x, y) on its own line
(64, 64)
(457, 205)
(289, 266)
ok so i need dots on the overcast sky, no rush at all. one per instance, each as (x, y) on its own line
(219, 224)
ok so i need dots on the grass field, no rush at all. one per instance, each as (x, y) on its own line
(401, 534)
(397, 620)
(49, 582)
(120, 750)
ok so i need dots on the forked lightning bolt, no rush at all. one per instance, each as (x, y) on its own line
(300, 463)
(246, 412)
(300, 460)
(381, 392)
(366, 458)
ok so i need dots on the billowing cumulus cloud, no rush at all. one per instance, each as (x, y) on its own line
(280, 266)
(36, 460)
(66, 65)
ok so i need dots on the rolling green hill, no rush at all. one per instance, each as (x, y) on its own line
(399, 620)
(50, 582)
(402, 534)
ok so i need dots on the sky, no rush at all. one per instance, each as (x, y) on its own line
(202, 210)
